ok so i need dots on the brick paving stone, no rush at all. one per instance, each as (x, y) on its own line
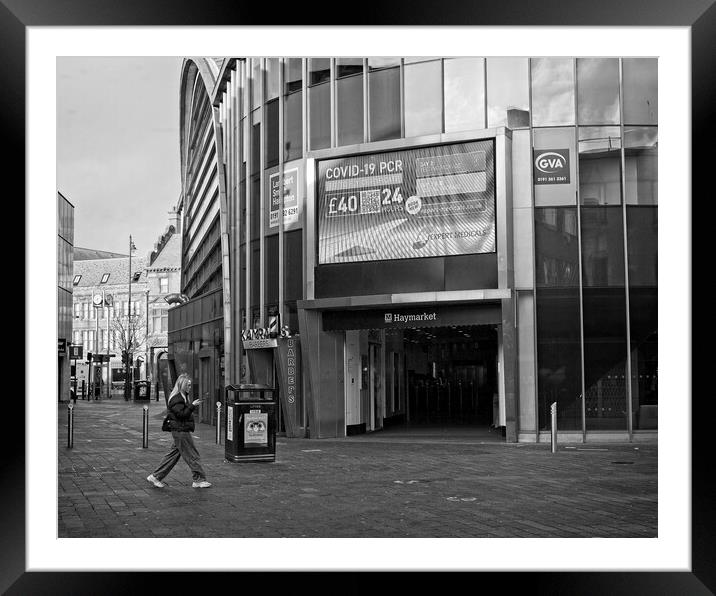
(374, 485)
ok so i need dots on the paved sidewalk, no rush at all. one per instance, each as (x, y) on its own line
(418, 485)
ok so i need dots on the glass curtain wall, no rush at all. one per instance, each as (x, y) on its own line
(580, 250)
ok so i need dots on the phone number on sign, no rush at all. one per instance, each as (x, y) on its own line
(365, 202)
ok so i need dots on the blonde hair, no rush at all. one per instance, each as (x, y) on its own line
(180, 385)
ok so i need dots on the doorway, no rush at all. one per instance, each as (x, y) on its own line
(375, 385)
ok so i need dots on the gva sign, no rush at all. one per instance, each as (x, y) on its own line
(551, 166)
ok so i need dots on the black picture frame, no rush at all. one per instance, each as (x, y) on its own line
(699, 15)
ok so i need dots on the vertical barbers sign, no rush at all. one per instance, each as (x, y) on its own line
(551, 166)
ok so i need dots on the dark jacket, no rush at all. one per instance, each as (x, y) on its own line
(180, 414)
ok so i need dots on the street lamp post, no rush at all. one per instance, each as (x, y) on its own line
(146, 337)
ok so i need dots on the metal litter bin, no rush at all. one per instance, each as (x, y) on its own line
(141, 391)
(250, 423)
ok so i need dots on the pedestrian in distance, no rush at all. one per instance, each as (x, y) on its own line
(180, 422)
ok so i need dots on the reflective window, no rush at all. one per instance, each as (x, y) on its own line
(349, 109)
(384, 87)
(375, 63)
(598, 90)
(639, 76)
(293, 75)
(271, 269)
(255, 207)
(319, 116)
(271, 79)
(643, 314)
(507, 92)
(255, 274)
(602, 247)
(256, 79)
(293, 126)
(423, 98)
(640, 164)
(345, 67)
(558, 316)
(319, 70)
(604, 316)
(552, 91)
(599, 165)
(271, 140)
(562, 142)
(414, 59)
(464, 94)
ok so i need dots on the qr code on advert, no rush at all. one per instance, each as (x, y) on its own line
(370, 201)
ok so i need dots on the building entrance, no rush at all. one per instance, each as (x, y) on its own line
(449, 375)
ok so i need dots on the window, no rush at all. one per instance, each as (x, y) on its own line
(105, 278)
(76, 280)
(163, 285)
(349, 105)
(598, 90)
(464, 94)
(319, 103)
(507, 92)
(423, 98)
(552, 91)
(384, 98)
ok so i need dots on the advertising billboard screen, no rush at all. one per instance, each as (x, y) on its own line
(406, 204)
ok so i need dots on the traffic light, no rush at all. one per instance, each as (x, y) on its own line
(89, 357)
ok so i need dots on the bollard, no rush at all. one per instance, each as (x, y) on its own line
(218, 423)
(145, 428)
(83, 388)
(70, 425)
(553, 413)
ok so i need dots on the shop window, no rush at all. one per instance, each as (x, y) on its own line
(507, 92)
(423, 98)
(598, 90)
(384, 98)
(552, 91)
(639, 81)
(599, 165)
(464, 94)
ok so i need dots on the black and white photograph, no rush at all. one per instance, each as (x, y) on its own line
(314, 290)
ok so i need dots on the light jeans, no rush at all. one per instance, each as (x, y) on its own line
(183, 448)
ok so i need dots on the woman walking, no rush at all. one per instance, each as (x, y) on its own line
(180, 421)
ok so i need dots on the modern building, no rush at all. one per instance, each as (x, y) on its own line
(452, 241)
(65, 240)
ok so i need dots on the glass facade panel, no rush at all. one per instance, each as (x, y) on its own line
(641, 165)
(642, 224)
(507, 92)
(600, 165)
(559, 140)
(375, 62)
(604, 312)
(423, 98)
(384, 87)
(319, 118)
(293, 126)
(558, 317)
(271, 79)
(271, 271)
(639, 80)
(271, 141)
(598, 90)
(256, 80)
(293, 74)
(464, 93)
(293, 276)
(319, 70)
(346, 67)
(349, 110)
(552, 91)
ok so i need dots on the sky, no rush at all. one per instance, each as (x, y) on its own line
(118, 148)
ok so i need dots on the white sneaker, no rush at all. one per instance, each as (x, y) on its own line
(155, 481)
(201, 484)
